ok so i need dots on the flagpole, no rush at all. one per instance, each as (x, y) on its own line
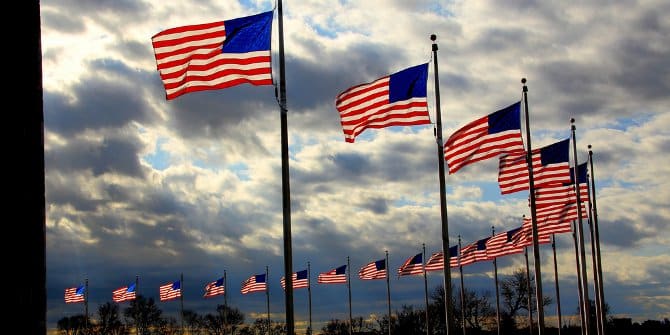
(579, 277)
(286, 197)
(86, 304)
(225, 302)
(309, 295)
(351, 320)
(267, 294)
(536, 244)
(595, 271)
(580, 231)
(558, 295)
(530, 301)
(388, 288)
(460, 268)
(425, 286)
(137, 293)
(594, 211)
(181, 298)
(495, 276)
(448, 307)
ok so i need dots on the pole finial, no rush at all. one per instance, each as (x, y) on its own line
(589, 146)
(572, 120)
(523, 81)
(433, 37)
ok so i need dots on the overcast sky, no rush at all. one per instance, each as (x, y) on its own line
(140, 186)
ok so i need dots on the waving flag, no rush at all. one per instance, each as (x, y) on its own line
(214, 55)
(255, 283)
(300, 280)
(474, 252)
(552, 195)
(502, 244)
(334, 276)
(524, 236)
(75, 294)
(170, 291)
(551, 165)
(495, 134)
(436, 260)
(412, 266)
(395, 100)
(373, 270)
(125, 293)
(215, 288)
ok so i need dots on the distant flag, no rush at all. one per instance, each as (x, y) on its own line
(214, 55)
(215, 288)
(373, 270)
(75, 294)
(502, 244)
(170, 291)
(436, 260)
(412, 266)
(398, 99)
(255, 283)
(495, 134)
(300, 280)
(334, 276)
(474, 252)
(524, 237)
(125, 293)
(551, 165)
(560, 194)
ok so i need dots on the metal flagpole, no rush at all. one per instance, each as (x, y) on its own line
(267, 294)
(460, 268)
(286, 197)
(181, 298)
(225, 303)
(579, 277)
(86, 304)
(533, 212)
(594, 210)
(351, 320)
(580, 231)
(495, 277)
(388, 288)
(425, 286)
(595, 271)
(558, 295)
(448, 307)
(137, 293)
(530, 301)
(309, 298)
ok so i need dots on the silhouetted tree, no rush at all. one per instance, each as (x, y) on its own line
(514, 293)
(193, 322)
(335, 327)
(110, 320)
(213, 324)
(73, 325)
(143, 314)
(410, 321)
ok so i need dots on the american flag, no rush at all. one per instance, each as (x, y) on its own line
(170, 291)
(334, 276)
(551, 165)
(300, 280)
(495, 134)
(412, 266)
(556, 219)
(125, 293)
(215, 288)
(474, 252)
(398, 99)
(552, 195)
(436, 260)
(524, 237)
(214, 55)
(373, 270)
(502, 244)
(75, 294)
(256, 283)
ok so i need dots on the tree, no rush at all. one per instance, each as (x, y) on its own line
(73, 325)
(214, 323)
(110, 322)
(514, 293)
(143, 314)
(410, 321)
(193, 322)
(335, 327)
(478, 309)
